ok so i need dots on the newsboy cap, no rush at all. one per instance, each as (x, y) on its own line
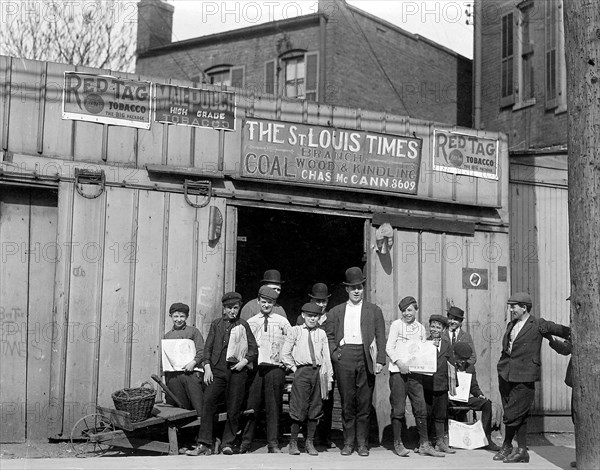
(231, 298)
(519, 298)
(405, 302)
(311, 309)
(268, 293)
(272, 276)
(456, 312)
(462, 350)
(319, 291)
(179, 307)
(354, 276)
(439, 318)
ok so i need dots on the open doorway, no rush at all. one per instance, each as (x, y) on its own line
(306, 248)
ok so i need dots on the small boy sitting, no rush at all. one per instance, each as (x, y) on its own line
(306, 352)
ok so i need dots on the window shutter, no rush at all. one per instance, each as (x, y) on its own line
(507, 87)
(312, 76)
(270, 77)
(237, 76)
(551, 48)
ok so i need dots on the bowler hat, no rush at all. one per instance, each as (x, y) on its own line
(179, 307)
(231, 298)
(439, 318)
(462, 350)
(319, 291)
(268, 293)
(405, 302)
(272, 276)
(519, 298)
(456, 312)
(354, 276)
(311, 309)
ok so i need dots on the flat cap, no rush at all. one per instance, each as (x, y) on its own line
(231, 298)
(462, 350)
(520, 298)
(439, 318)
(312, 309)
(179, 307)
(405, 302)
(268, 293)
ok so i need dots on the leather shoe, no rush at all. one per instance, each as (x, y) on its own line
(200, 450)
(347, 450)
(274, 450)
(504, 452)
(518, 456)
(363, 451)
(227, 450)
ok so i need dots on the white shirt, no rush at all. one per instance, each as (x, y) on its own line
(352, 333)
(271, 341)
(516, 329)
(400, 334)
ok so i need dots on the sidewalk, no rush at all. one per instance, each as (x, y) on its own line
(542, 458)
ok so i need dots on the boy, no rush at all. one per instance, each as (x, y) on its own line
(306, 353)
(455, 334)
(225, 377)
(436, 387)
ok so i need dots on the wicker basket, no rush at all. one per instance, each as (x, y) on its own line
(138, 402)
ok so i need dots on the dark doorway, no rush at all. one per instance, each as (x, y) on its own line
(306, 248)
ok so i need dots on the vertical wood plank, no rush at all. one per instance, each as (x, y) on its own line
(231, 228)
(431, 265)
(58, 133)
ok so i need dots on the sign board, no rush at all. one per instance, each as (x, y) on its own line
(330, 157)
(106, 99)
(464, 154)
(475, 278)
(194, 107)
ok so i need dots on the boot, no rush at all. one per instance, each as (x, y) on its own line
(504, 452)
(293, 447)
(518, 456)
(426, 449)
(310, 447)
(442, 446)
(399, 449)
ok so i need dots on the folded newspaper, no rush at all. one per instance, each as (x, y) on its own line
(176, 353)
(237, 348)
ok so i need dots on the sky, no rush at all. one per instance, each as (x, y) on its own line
(443, 21)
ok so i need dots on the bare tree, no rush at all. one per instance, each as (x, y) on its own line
(582, 34)
(95, 33)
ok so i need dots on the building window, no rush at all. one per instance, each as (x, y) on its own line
(507, 66)
(225, 75)
(294, 77)
(526, 69)
(297, 75)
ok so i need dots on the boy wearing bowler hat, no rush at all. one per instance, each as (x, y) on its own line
(306, 353)
(225, 377)
(435, 387)
(455, 334)
(519, 368)
(319, 295)
(355, 329)
(271, 278)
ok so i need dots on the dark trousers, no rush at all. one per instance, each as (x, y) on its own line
(480, 404)
(356, 385)
(228, 386)
(402, 385)
(517, 399)
(326, 421)
(267, 386)
(305, 398)
(187, 387)
(437, 412)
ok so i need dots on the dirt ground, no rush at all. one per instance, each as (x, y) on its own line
(43, 450)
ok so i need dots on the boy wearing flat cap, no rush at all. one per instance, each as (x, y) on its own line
(519, 368)
(306, 353)
(225, 377)
(271, 278)
(186, 385)
(268, 379)
(435, 387)
(455, 334)
(403, 382)
(461, 353)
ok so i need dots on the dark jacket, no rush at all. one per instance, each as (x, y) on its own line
(523, 363)
(438, 382)
(462, 337)
(218, 340)
(372, 327)
(565, 348)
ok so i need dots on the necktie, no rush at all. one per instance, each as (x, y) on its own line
(266, 322)
(454, 337)
(311, 349)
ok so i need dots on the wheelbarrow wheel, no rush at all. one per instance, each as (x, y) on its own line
(86, 439)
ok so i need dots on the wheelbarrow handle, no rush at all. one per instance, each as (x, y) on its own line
(157, 379)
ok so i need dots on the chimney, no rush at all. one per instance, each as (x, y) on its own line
(155, 24)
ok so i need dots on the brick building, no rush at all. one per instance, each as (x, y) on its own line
(520, 90)
(339, 55)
